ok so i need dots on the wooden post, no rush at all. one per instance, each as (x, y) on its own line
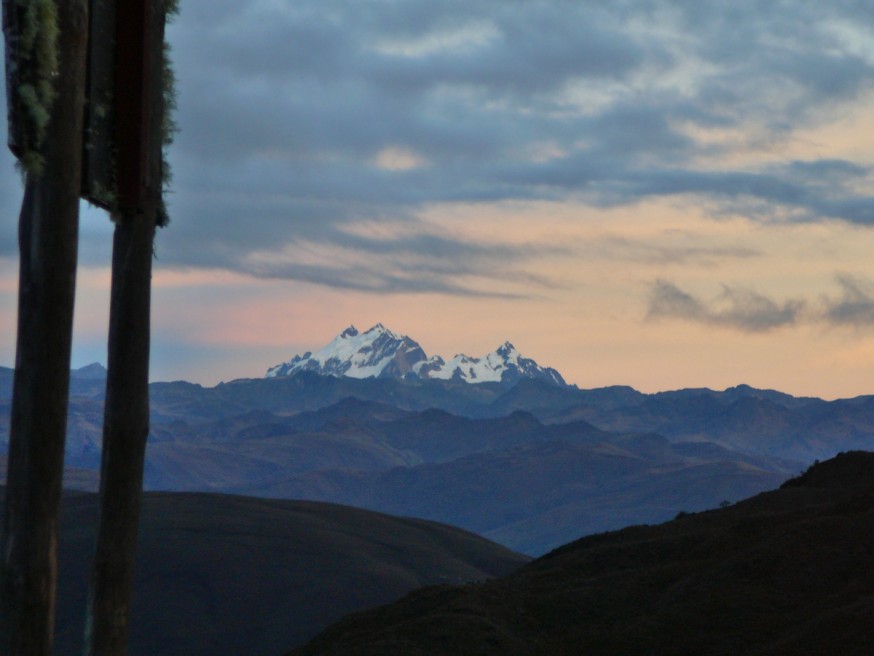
(48, 230)
(125, 429)
(126, 412)
(134, 76)
(98, 156)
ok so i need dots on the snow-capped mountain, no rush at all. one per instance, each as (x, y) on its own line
(376, 353)
(504, 365)
(381, 353)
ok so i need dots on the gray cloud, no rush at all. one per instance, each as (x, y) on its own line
(11, 191)
(285, 108)
(740, 309)
(854, 306)
(639, 250)
(414, 262)
(851, 307)
(419, 263)
(669, 301)
(377, 280)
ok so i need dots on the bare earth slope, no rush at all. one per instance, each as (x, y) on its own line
(221, 575)
(786, 572)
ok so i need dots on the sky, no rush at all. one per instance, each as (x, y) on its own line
(662, 194)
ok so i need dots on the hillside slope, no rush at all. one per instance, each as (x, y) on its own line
(223, 576)
(786, 572)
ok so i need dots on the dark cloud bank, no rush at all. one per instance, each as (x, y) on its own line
(285, 108)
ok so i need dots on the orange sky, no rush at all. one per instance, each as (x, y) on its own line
(589, 320)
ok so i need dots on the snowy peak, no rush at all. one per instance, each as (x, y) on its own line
(376, 353)
(381, 353)
(506, 350)
(503, 365)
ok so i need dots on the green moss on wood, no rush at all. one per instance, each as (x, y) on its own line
(168, 123)
(32, 32)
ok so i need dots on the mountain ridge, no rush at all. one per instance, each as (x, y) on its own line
(381, 353)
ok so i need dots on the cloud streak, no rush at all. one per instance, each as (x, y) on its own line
(855, 305)
(741, 309)
(681, 250)
(749, 311)
(410, 262)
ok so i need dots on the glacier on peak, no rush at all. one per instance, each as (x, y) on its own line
(381, 353)
(374, 353)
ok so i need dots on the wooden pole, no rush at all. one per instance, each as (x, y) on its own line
(48, 231)
(126, 413)
(134, 75)
(125, 429)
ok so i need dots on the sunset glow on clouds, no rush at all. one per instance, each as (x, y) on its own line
(660, 194)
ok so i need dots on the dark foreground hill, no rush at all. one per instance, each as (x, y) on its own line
(786, 572)
(222, 575)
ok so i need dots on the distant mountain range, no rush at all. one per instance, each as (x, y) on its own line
(525, 484)
(381, 353)
(520, 463)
